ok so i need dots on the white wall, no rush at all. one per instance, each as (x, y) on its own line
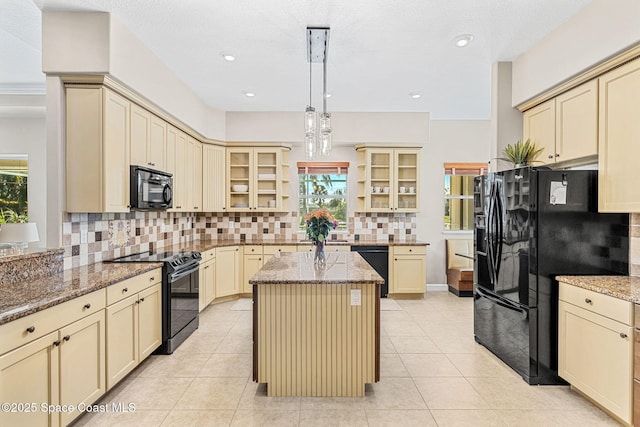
(449, 141)
(97, 42)
(602, 29)
(26, 135)
(506, 121)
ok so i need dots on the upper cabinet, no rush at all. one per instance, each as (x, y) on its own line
(566, 127)
(540, 127)
(213, 173)
(97, 150)
(388, 179)
(148, 139)
(577, 122)
(619, 139)
(257, 179)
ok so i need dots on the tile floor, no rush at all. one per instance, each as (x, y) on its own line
(433, 374)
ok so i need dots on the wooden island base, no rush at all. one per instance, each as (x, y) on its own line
(320, 338)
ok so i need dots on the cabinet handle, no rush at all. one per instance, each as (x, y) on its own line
(151, 279)
(195, 207)
(66, 337)
(623, 335)
(557, 155)
(124, 290)
(87, 306)
(259, 259)
(588, 301)
(31, 329)
(550, 156)
(206, 267)
(138, 302)
(56, 343)
(410, 250)
(142, 299)
(395, 259)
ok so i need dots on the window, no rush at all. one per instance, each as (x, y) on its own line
(13, 188)
(458, 194)
(323, 185)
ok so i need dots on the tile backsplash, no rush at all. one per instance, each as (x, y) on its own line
(634, 245)
(90, 238)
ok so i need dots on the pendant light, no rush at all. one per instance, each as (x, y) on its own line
(317, 138)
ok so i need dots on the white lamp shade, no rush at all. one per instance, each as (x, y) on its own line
(19, 233)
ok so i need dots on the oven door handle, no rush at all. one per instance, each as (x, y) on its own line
(181, 274)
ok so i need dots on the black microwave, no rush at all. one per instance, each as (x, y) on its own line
(151, 190)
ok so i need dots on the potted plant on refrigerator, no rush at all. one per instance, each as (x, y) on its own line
(521, 153)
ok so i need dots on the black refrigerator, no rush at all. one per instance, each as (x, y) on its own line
(531, 225)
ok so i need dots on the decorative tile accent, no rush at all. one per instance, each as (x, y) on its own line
(118, 234)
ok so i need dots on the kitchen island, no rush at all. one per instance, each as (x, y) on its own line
(316, 328)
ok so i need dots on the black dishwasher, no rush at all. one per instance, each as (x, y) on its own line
(378, 258)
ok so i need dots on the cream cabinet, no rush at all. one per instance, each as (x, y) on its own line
(577, 123)
(595, 331)
(97, 150)
(213, 175)
(252, 261)
(194, 175)
(407, 269)
(539, 125)
(177, 165)
(619, 139)
(229, 274)
(157, 148)
(140, 136)
(54, 357)
(134, 323)
(257, 179)
(388, 179)
(207, 279)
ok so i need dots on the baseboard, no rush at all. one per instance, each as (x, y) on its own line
(437, 287)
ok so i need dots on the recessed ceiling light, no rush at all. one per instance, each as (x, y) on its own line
(228, 56)
(415, 95)
(463, 39)
(249, 94)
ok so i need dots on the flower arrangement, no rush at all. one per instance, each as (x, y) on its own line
(319, 223)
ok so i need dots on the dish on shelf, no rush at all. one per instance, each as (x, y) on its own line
(239, 188)
(241, 205)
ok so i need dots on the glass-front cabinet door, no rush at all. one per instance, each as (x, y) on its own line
(379, 188)
(407, 180)
(239, 172)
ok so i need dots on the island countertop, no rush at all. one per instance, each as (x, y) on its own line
(299, 267)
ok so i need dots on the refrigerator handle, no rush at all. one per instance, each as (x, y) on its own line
(501, 302)
(490, 236)
(500, 231)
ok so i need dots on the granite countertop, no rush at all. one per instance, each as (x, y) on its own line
(299, 268)
(623, 287)
(23, 298)
(205, 245)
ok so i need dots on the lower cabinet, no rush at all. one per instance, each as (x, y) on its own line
(64, 367)
(407, 269)
(595, 347)
(207, 278)
(228, 276)
(134, 327)
(252, 261)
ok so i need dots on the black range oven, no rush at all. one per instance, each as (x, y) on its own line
(180, 291)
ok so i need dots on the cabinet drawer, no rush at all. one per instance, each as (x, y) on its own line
(121, 290)
(253, 249)
(613, 308)
(274, 249)
(26, 329)
(410, 250)
(208, 254)
(336, 248)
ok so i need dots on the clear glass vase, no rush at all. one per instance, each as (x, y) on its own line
(319, 257)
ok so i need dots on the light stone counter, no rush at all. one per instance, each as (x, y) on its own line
(623, 287)
(298, 267)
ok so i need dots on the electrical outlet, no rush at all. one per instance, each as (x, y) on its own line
(83, 236)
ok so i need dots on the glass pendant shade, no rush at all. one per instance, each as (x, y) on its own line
(324, 143)
(310, 120)
(310, 146)
(325, 122)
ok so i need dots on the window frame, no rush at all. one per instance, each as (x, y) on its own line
(459, 169)
(324, 168)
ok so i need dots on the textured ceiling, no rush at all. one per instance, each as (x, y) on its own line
(379, 50)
